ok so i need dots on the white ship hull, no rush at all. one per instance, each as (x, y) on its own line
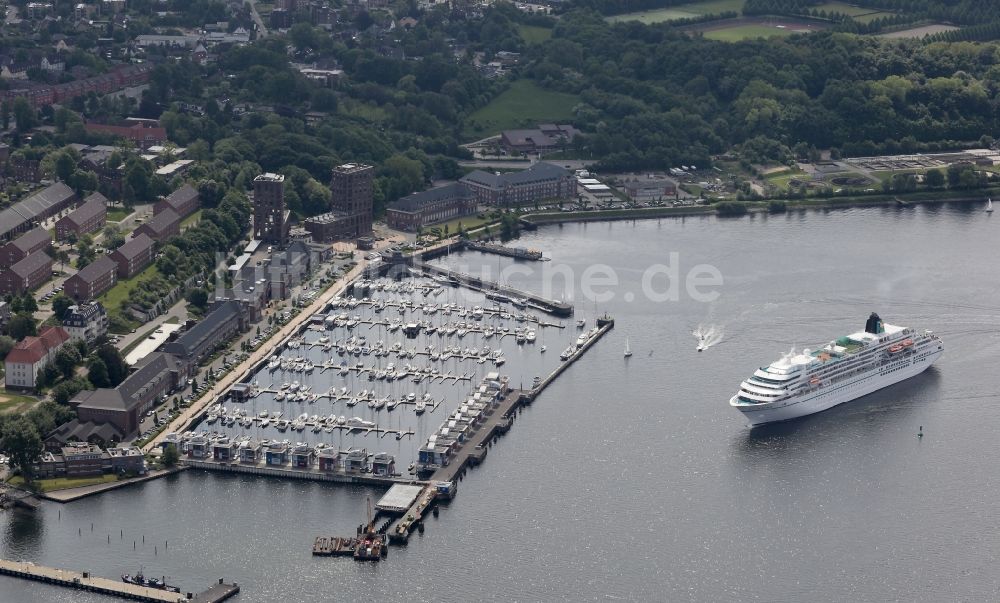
(837, 393)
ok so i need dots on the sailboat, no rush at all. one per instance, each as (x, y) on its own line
(628, 350)
(989, 206)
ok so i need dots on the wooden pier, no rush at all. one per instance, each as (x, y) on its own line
(84, 581)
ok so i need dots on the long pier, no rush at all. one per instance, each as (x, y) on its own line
(84, 581)
(519, 253)
(285, 471)
(473, 450)
(549, 306)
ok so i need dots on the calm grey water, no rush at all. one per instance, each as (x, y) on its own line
(635, 480)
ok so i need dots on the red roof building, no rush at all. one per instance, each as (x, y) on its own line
(30, 355)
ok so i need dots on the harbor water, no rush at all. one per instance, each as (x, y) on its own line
(633, 479)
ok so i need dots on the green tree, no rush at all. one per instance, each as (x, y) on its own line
(21, 325)
(21, 442)
(170, 455)
(61, 305)
(117, 368)
(28, 303)
(66, 360)
(97, 373)
(934, 178)
(24, 115)
(198, 298)
(4, 115)
(6, 345)
(63, 392)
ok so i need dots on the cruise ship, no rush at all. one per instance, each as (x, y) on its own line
(800, 384)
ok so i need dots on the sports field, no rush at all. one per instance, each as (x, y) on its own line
(681, 11)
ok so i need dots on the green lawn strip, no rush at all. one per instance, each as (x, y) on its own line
(746, 32)
(15, 402)
(192, 219)
(62, 483)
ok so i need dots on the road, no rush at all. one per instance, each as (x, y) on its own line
(177, 311)
(261, 28)
(265, 350)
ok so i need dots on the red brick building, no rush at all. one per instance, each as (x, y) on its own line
(133, 256)
(143, 133)
(184, 201)
(26, 275)
(95, 278)
(91, 216)
(29, 243)
(164, 225)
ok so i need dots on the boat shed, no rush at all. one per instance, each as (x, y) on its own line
(399, 498)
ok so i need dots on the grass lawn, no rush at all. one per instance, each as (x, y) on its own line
(192, 219)
(533, 34)
(112, 297)
(782, 178)
(64, 483)
(15, 402)
(681, 11)
(117, 214)
(524, 104)
(746, 32)
(468, 223)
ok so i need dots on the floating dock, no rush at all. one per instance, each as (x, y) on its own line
(334, 546)
(519, 253)
(84, 581)
(399, 498)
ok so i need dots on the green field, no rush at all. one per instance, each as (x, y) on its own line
(64, 483)
(681, 11)
(112, 297)
(192, 219)
(117, 214)
(524, 104)
(533, 34)
(15, 402)
(746, 32)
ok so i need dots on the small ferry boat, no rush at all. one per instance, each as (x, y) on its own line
(140, 580)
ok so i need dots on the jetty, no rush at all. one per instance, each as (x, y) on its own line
(442, 482)
(84, 581)
(519, 253)
(549, 306)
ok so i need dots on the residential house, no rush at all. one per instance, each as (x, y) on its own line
(91, 216)
(86, 322)
(94, 279)
(30, 355)
(34, 241)
(132, 257)
(162, 226)
(183, 201)
(26, 275)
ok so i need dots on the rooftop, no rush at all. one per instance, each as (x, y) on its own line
(135, 246)
(416, 201)
(97, 269)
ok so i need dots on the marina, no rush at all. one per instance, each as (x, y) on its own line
(648, 444)
(358, 386)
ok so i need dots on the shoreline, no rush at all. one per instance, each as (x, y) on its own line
(72, 494)
(752, 207)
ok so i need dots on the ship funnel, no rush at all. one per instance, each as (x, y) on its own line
(874, 324)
